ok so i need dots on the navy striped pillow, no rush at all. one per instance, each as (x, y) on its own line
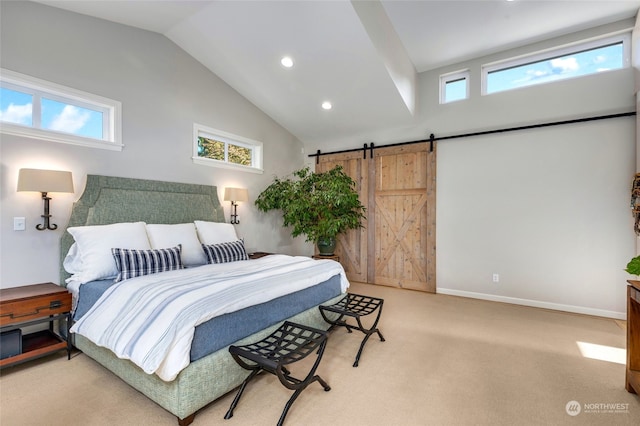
(225, 252)
(134, 263)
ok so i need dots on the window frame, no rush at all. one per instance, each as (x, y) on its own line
(623, 37)
(227, 138)
(452, 77)
(38, 88)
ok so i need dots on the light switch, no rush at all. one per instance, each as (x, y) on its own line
(19, 224)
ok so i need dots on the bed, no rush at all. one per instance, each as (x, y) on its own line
(211, 371)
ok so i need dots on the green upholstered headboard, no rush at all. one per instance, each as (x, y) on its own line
(108, 199)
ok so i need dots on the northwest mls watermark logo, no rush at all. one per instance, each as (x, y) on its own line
(573, 408)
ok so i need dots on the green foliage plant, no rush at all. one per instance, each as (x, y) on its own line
(213, 149)
(317, 205)
(633, 267)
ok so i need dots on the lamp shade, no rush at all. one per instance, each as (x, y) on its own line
(45, 180)
(236, 194)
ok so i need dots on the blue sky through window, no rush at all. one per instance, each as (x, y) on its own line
(17, 107)
(562, 67)
(72, 119)
(456, 90)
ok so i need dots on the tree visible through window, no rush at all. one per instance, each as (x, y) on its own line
(216, 148)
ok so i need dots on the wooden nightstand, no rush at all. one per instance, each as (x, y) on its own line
(31, 305)
(258, 254)
(332, 257)
(632, 381)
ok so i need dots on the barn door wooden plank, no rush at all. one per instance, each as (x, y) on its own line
(404, 234)
(352, 245)
(397, 246)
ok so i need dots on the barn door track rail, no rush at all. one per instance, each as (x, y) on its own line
(432, 138)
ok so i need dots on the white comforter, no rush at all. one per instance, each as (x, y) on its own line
(150, 320)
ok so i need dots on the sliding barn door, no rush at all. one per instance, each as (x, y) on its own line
(397, 246)
(404, 231)
(352, 245)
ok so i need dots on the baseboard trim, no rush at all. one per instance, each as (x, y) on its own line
(535, 303)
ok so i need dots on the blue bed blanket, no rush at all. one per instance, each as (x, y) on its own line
(223, 330)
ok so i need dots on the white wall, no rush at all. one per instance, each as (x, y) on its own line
(546, 209)
(163, 92)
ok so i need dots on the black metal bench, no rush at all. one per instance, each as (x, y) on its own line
(291, 342)
(355, 306)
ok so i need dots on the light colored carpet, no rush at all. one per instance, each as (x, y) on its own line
(447, 361)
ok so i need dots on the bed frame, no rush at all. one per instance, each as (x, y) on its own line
(109, 200)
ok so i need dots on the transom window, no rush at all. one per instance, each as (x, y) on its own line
(40, 109)
(576, 60)
(216, 148)
(454, 86)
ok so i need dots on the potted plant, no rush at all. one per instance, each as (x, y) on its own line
(633, 267)
(317, 205)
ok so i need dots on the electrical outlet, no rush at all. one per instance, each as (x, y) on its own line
(19, 224)
(496, 278)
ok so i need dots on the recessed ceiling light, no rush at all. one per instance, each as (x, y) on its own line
(286, 62)
(326, 105)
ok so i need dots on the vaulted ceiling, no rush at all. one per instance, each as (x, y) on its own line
(362, 56)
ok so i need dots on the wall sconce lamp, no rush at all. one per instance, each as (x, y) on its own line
(45, 181)
(234, 195)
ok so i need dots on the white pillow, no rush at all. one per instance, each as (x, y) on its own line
(165, 236)
(73, 261)
(94, 244)
(215, 232)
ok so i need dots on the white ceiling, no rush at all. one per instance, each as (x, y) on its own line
(361, 56)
